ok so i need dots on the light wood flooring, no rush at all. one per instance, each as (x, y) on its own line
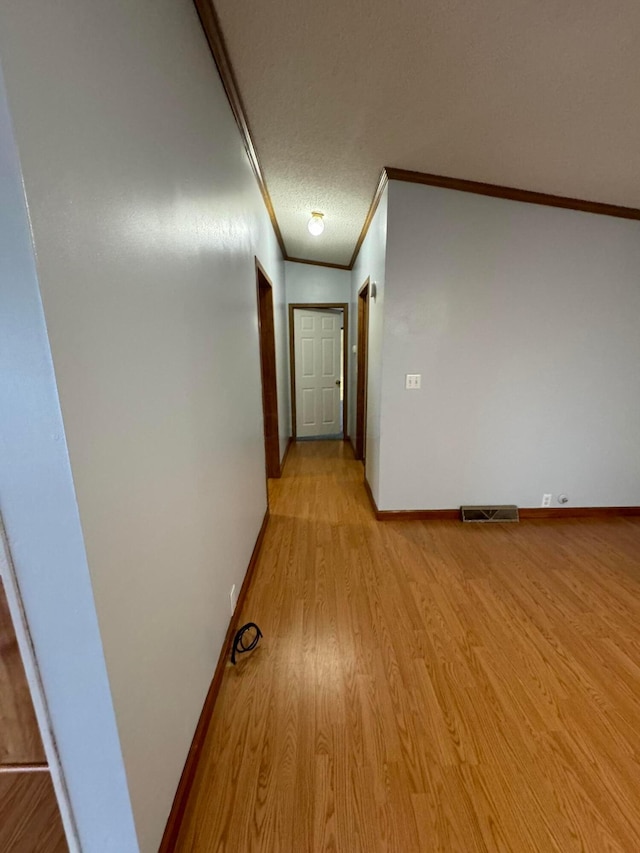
(426, 686)
(30, 819)
(20, 741)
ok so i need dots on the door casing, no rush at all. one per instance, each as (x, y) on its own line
(363, 366)
(268, 371)
(345, 358)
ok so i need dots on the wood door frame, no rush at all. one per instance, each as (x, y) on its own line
(345, 359)
(364, 295)
(268, 371)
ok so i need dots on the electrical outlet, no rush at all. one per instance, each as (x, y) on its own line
(546, 500)
(233, 599)
(413, 381)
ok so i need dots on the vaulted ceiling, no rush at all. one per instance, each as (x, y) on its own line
(542, 95)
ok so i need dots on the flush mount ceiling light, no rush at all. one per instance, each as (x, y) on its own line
(316, 224)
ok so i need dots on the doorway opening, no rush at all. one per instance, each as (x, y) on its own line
(362, 366)
(268, 372)
(318, 346)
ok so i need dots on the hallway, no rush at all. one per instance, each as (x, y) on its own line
(426, 686)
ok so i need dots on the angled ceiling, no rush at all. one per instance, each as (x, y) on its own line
(542, 96)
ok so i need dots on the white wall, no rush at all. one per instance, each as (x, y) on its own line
(371, 263)
(523, 321)
(40, 514)
(310, 283)
(146, 219)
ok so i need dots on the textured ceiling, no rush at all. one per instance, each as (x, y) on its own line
(537, 94)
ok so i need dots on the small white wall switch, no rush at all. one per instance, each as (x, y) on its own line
(546, 500)
(413, 381)
(233, 599)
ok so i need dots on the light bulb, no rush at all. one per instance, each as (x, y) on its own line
(315, 224)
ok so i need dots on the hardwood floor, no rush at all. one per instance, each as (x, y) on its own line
(30, 819)
(29, 816)
(20, 741)
(426, 686)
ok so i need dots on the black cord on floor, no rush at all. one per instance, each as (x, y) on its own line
(239, 643)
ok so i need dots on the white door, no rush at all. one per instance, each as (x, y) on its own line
(317, 338)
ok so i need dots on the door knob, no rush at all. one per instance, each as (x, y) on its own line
(337, 381)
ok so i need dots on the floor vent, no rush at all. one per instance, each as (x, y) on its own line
(489, 513)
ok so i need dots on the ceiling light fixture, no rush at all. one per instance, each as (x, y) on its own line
(316, 224)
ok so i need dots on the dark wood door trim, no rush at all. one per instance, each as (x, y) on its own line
(213, 32)
(362, 367)
(511, 193)
(317, 263)
(345, 359)
(381, 186)
(268, 371)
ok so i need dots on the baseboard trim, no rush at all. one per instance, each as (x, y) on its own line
(578, 512)
(525, 513)
(176, 815)
(367, 489)
(286, 453)
(418, 515)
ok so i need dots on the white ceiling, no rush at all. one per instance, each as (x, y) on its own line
(541, 95)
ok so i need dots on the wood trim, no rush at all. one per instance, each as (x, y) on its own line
(409, 515)
(268, 371)
(511, 193)
(579, 512)
(383, 180)
(372, 501)
(213, 31)
(318, 263)
(176, 815)
(418, 515)
(352, 445)
(319, 305)
(292, 377)
(217, 45)
(525, 513)
(286, 453)
(362, 369)
(345, 360)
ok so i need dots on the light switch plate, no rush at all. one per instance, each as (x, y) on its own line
(413, 381)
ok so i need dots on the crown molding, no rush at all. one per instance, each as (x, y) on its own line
(212, 29)
(511, 193)
(213, 32)
(383, 180)
(211, 26)
(318, 263)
